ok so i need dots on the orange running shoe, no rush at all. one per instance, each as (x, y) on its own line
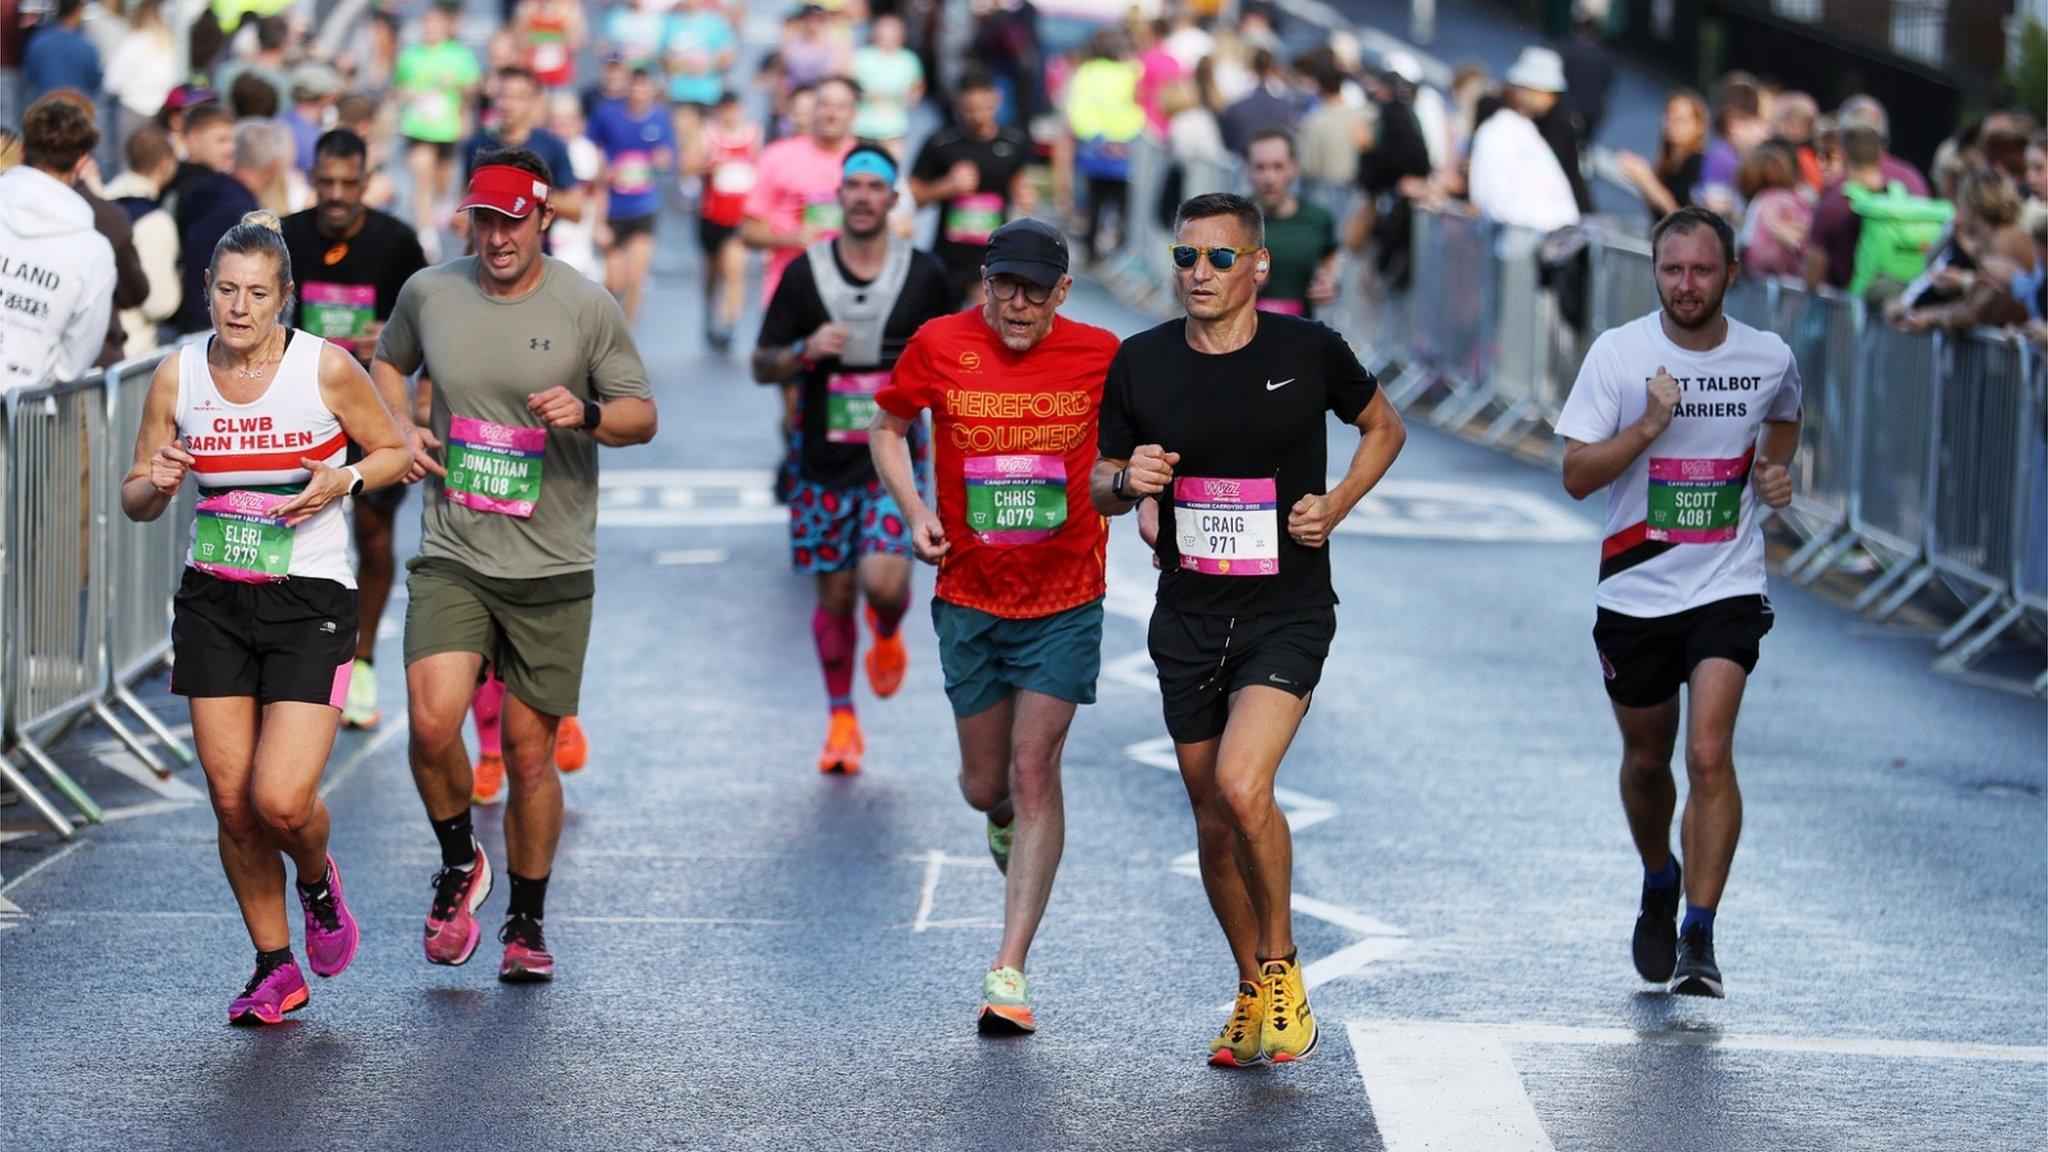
(487, 784)
(886, 660)
(844, 744)
(572, 750)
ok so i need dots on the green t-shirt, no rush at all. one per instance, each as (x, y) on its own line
(1298, 243)
(431, 79)
(486, 356)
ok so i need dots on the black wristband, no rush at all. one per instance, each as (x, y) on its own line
(592, 413)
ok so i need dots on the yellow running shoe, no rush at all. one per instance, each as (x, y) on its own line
(1239, 1044)
(1000, 839)
(1289, 1027)
(1005, 1004)
(487, 783)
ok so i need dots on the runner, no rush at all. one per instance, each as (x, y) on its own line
(724, 158)
(700, 48)
(1301, 236)
(1246, 612)
(1014, 390)
(352, 260)
(975, 172)
(1687, 417)
(639, 145)
(840, 318)
(436, 81)
(533, 369)
(260, 415)
(552, 33)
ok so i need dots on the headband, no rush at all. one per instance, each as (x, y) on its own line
(870, 163)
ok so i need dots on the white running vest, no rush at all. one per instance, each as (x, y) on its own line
(246, 455)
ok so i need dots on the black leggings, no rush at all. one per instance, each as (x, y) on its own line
(1101, 193)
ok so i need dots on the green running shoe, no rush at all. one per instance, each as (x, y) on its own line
(360, 709)
(1005, 1005)
(999, 839)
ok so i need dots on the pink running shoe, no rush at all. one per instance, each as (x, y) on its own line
(269, 996)
(527, 960)
(331, 932)
(452, 930)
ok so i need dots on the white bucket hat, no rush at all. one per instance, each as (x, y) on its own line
(1538, 69)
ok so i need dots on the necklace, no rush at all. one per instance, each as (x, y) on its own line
(256, 372)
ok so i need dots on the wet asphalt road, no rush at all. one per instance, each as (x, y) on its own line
(753, 956)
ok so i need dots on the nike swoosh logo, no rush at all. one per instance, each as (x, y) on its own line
(1272, 387)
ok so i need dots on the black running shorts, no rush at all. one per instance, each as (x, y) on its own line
(1202, 660)
(291, 640)
(1647, 659)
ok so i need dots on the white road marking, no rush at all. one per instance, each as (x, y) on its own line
(147, 808)
(39, 865)
(1477, 513)
(339, 776)
(734, 517)
(1873, 1047)
(935, 862)
(9, 907)
(124, 762)
(687, 498)
(688, 557)
(1444, 1088)
(1133, 671)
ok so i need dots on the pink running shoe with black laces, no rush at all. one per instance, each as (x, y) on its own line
(331, 932)
(270, 995)
(452, 930)
(527, 960)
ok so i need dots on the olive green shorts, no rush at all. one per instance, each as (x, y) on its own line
(534, 632)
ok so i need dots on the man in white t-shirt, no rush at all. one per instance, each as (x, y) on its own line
(1687, 418)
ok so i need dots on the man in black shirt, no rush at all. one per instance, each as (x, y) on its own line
(975, 172)
(839, 318)
(350, 260)
(1220, 417)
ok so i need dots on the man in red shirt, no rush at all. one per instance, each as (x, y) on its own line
(1015, 391)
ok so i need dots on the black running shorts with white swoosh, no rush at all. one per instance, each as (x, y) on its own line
(1203, 659)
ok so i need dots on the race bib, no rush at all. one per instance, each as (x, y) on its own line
(732, 178)
(550, 56)
(337, 312)
(970, 219)
(494, 468)
(824, 215)
(433, 106)
(1281, 307)
(1227, 527)
(235, 537)
(633, 173)
(1014, 500)
(1696, 501)
(850, 405)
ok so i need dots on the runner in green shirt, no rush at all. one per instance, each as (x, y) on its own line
(1301, 236)
(436, 81)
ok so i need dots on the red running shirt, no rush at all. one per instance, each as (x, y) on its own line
(1005, 427)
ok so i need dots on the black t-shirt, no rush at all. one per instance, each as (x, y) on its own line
(331, 273)
(1250, 432)
(965, 221)
(838, 457)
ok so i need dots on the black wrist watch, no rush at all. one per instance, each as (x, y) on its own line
(592, 413)
(1116, 484)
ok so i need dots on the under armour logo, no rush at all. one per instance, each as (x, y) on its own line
(538, 345)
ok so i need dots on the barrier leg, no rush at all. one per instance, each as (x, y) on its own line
(1818, 543)
(1964, 626)
(2041, 684)
(1412, 381)
(1507, 423)
(157, 728)
(1922, 577)
(36, 800)
(61, 780)
(129, 739)
(1831, 556)
(1967, 655)
(1883, 585)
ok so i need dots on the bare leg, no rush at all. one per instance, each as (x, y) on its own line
(1262, 724)
(885, 581)
(1713, 801)
(1648, 794)
(225, 730)
(1036, 736)
(439, 689)
(533, 814)
(1223, 875)
(291, 753)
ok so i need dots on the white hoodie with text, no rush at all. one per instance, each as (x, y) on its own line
(56, 281)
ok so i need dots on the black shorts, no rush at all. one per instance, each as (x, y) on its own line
(1647, 659)
(444, 150)
(384, 500)
(1203, 659)
(713, 236)
(627, 227)
(291, 640)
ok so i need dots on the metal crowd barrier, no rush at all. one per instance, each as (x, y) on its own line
(79, 587)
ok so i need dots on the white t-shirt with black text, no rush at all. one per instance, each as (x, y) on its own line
(1681, 519)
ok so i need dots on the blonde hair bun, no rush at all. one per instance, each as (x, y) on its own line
(263, 218)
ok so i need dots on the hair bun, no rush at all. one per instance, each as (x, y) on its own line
(263, 218)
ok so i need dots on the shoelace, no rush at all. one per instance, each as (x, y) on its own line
(525, 931)
(257, 980)
(448, 885)
(323, 910)
(1283, 1003)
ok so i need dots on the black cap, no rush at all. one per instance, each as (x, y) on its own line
(1031, 250)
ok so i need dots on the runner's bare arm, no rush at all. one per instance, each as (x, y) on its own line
(758, 233)
(1773, 472)
(889, 444)
(1380, 437)
(1146, 473)
(567, 203)
(391, 388)
(348, 393)
(623, 421)
(160, 458)
(1589, 467)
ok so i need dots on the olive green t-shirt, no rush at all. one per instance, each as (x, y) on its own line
(524, 499)
(1298, 244)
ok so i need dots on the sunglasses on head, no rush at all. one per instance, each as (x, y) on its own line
(1221, 259)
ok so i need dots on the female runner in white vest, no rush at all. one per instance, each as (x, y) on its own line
(263, 635)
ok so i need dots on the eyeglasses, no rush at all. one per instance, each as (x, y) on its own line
(1007, 289)
(1221, 259)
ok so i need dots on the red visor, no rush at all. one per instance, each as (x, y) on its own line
(503, 188)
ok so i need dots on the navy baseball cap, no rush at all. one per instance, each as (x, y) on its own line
(1031, 250)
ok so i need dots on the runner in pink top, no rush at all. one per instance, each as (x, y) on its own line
(794, 202)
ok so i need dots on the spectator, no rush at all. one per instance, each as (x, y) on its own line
(1333, 134)
(1516, 178)
(131, 285)
(1739, 127)
(1774, 227)
(1588, 74)
(10, 148)
(2035, 212)
(575, 241)
(1431, 108)
(315, 86)
(1186, 41)
(1866, 111)
(142, 70)
(207, 144)
(1681, 152)
(1830, 256)
(1272, 104)
(62, 270)
(2005, 143)
(891, 80)
(1192, 133)
(216, 203)
(2007, 264)
(1157, 67)
(251, 97)
(1793, 118)
(151, 167)
(60, 55)
(270, 65)
(1103, 114)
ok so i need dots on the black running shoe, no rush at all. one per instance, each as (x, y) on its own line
(1656, 939)
(1696, 973)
